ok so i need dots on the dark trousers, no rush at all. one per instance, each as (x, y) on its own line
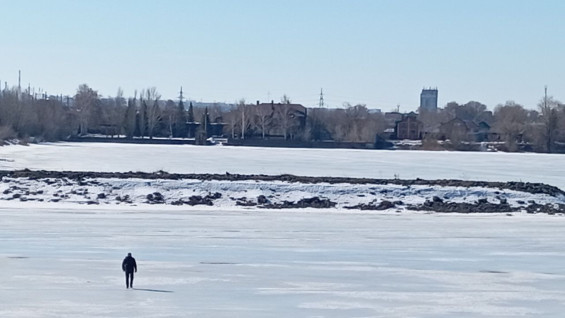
(129, 279)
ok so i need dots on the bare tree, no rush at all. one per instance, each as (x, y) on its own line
(431, 120)
(245, 119)
(336, 125)
(354, 124)
(153, 111)
(170, 113)
(232, 118)
(263, 117)
(85, 99)
(317, 123)
(18, 113)
(510, 123)
(23, 116)
(9, 108)
(470, 111)
(283, 115)
(112, 114)
(129, 118)
(141, 116)
(549, 120)
(54, 122)
(561, 123)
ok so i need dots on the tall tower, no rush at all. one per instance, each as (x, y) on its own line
(321, 102)
(180, 96)
(428, 99)
(19, 83)
(181, 100)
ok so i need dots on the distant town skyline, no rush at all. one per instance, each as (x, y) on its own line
(374, 52)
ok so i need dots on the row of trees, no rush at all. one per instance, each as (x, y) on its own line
(541, 129)
(290, 121)
(23, 117)
(146, 115)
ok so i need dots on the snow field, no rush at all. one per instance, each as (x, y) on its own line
(62, 191)
(485, 166)
(66, 262)
(63, 259)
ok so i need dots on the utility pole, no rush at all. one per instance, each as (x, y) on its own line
(545, 98)
(19, 83)
(321, 102)
(547, 113)
(206, 122)
(242, 121)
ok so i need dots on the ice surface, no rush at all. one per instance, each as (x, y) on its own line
(530, 167)
(66, 263)
(64, 260)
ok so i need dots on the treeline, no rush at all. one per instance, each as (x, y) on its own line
(512, 125)
(146, 115)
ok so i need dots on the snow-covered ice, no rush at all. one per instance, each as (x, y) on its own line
(108, 191)
(66, 263)
(486, 166)
(60, 260)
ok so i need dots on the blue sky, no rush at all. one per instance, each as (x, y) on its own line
(376, 52)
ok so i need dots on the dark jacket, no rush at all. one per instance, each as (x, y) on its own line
(129, 265)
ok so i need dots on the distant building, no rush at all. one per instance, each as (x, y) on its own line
(409, 127)
(286, 119)
(391, 118)
(466, 130)
(428, 99)
(374, 111)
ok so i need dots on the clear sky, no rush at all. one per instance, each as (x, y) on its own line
(377, 52)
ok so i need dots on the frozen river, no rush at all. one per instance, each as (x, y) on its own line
(60, 261)
(205, 263)
(485, 166)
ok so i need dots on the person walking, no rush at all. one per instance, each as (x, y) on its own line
(129, 266)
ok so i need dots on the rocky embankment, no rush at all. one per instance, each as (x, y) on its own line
(280, 192)
(535, 188)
